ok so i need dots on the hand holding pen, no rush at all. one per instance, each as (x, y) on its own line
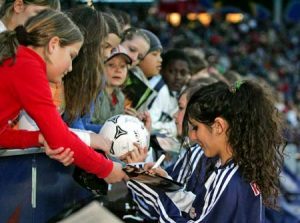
(154, 168)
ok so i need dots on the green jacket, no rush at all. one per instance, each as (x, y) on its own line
(104, 107)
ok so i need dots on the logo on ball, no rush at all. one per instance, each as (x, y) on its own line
(124, 131)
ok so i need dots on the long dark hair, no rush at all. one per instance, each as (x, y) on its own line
(112, 23)
(185, 142)
(84, 82)
(254, 132)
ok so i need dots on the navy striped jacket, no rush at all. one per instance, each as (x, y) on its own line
(228, 199)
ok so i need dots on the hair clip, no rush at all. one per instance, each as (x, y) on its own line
(90, 4)
(236, 86)
(22, 35)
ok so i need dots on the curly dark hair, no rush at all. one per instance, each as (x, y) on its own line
(84, 82)
(254, 132)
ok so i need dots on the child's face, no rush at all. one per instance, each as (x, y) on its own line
(205, 136)
(23, 11)
(179, 115)
(116, 71)
(176, 74)
(110, 42)
(151, 64)
(59, 59)
(137, 49)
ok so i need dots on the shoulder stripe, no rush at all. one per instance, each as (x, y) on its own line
(154, 200)
(138, 189)
(191, 165)
(143, 208)
(195, 155)
(223, 176)
(217, 187)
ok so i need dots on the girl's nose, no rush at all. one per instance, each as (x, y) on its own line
(70, 68)
(192, 135)
(135, 57)
(159, 59)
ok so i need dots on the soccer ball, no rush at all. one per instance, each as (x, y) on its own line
(123, 131)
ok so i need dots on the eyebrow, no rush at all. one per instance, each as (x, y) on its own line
(133, 47)
(191, 122)
(74, 54)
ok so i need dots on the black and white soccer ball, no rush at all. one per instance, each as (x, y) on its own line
(123, 131)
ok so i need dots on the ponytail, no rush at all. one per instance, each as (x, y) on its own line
(8, 45)
(254, 129)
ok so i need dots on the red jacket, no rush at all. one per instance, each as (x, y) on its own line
(24, 85)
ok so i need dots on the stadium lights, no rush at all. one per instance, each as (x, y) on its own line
(192, 16)
(174, 18)
(234, 17)
(205, 18)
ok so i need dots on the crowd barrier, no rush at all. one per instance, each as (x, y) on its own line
(34, 187)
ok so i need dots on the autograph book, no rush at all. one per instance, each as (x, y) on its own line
(152, 180)
(136, 91)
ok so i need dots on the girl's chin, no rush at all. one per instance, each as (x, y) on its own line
(55, 81)
(207, 153)
(116, 84)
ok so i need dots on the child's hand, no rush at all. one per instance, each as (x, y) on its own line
(131, 111)
(100, 142)
(158, 171)
(143, 116)
(146, 119)
(117, 174)
(65, 156)
(138, 154)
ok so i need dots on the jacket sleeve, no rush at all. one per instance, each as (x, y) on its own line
(160, 119)
(32, 88)
(156, 204)
(24, 138)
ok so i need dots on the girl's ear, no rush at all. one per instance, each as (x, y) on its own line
(53, 44)
(220, 125)
(18, 6)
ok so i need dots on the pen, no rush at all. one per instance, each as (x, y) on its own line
(159, 161)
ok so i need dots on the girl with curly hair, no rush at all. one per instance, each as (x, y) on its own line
(240, 126)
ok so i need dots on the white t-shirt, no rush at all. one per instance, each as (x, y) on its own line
(2, 27)
(27, 123)
(163, 109)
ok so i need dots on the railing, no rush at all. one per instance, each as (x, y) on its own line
(34, 187)
(17, 152)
